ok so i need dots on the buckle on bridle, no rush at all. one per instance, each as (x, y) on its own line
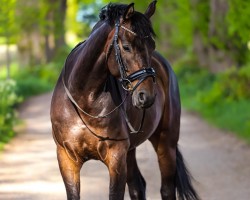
(127, 84)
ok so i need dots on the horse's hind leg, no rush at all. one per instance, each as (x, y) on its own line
(166, 152)
(70, 171)
(135, 180)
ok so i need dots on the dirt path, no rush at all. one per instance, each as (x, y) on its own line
(29, 171)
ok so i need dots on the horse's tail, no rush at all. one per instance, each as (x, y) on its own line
(184, 185)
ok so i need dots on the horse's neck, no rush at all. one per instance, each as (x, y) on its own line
(89, 74)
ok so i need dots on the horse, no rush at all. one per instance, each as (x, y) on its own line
(114, 92)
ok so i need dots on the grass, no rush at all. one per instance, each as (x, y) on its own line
(31, 82)
(229, 116)
(201, 93)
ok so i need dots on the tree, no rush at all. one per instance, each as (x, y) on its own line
(52, 25)
(221, 32)
(29, 43)
(42, 25)
(7, 28)
(239, 28)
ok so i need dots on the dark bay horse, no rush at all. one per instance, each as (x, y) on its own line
(114, 92)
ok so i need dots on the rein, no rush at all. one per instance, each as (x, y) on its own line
(84, 112)
(126, 83)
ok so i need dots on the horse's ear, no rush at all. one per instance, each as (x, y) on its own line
(151, 9)
(129, 11)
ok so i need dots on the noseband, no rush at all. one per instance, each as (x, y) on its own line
(140, 75)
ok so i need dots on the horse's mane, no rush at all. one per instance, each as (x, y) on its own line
(141, 25)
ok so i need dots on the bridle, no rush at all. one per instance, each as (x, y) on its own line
(126, 83)
(140, 75)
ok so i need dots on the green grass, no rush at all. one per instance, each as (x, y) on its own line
(229, 116)
(32, 81)
(32, 86)
(215, 100)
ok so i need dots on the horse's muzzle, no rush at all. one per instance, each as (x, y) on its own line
(142, 99)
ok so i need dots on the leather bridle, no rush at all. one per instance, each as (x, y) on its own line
(125, 79)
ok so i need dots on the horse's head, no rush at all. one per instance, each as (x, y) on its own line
(129, 49)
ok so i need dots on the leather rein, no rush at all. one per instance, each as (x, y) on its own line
(126, 83)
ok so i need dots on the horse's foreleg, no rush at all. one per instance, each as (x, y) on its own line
(116, 162)
(135, 180)
(70, 171)
(166, 152)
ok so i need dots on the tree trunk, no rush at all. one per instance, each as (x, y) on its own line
(54, 38)
(30, 43)
(200, 50)
(219, 52)
(8, 58)
(60, 21)
(200, 12)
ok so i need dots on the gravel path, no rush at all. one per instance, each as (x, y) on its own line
(219, 162)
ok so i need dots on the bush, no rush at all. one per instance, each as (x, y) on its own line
(8, 100)
(232, 85)
(223, 99)
(37, 79)
(29, 81)
(32, 86)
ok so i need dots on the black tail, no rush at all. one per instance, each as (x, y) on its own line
(184, 186)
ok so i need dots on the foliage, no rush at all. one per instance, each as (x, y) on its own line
(238, 20)
(8, 100)
(232, 85)
(38, 28)
(8, 28)
(75, 28)
(223, 99)
(239, 28)
(32, 86)
(89, 13)
(26, 82)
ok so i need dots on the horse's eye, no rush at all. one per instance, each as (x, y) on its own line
(126, 48)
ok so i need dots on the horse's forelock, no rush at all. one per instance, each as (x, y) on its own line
(112, 12)
(141, 25)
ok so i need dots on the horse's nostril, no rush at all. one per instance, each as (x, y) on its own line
(142, 97)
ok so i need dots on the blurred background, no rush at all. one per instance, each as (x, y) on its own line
(207, 43)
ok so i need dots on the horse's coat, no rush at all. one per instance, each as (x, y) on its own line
(91, 113)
